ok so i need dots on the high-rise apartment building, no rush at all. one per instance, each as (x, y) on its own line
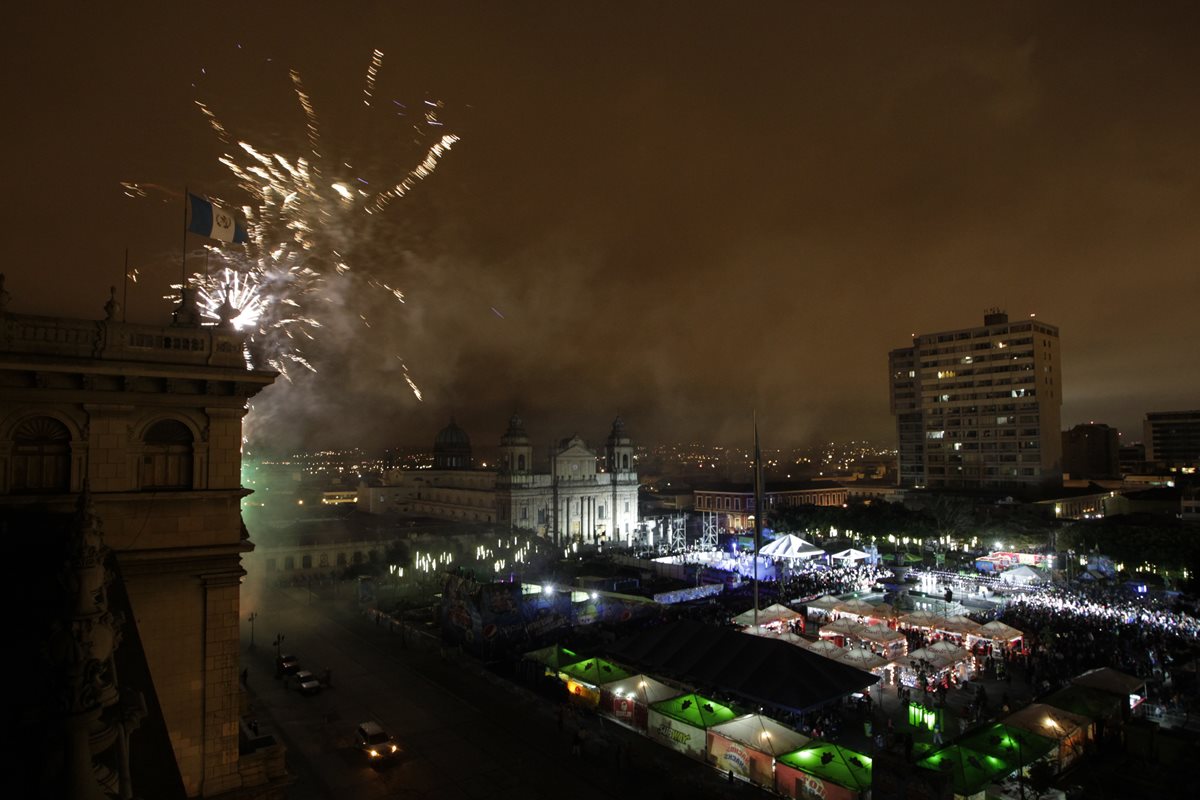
(1172, 438)
(979, 407)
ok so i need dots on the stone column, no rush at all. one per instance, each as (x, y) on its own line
(221, 687)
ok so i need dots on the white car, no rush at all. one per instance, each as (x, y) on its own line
(374, 741)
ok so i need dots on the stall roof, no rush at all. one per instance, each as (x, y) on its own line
(1107, 679)
(790, 546)
(1091, 703)
(759, 669)
(998, 631)
(762, 733)
(833, 763)
(596, 671)
(1016, 745)
(849, 555)
(646, 689)
(825, 602)
(694, 710)
(772, 613)
(1048, 720)
(824, 647)
(862, 658)
(555, 656)
(969, 770)
(922, 619)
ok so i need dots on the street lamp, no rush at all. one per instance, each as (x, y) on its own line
(253, 616)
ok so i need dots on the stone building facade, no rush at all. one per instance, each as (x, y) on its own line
(150, 418)
(574, 495)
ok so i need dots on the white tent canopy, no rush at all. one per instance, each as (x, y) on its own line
(790, 546)
(849, 555)
(1022, 575)
(647, 690)
(772, 613)
(762, 733)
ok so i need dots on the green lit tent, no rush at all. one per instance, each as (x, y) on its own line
(970, 771)
(554, 657)
(681, 722)
(829, 763)
(1017, 745)
(595, 671)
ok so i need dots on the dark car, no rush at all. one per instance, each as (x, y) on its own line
(287, 665)
(375, 743)
(305, 682)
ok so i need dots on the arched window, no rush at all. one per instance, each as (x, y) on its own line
(306, 562)
(167, 457)
(625, 461)
(41, 456)
(341, 559)
(289, 563)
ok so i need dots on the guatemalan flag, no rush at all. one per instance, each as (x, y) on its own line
(207, 219)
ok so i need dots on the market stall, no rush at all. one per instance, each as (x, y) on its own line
(682, 723)
(957, 627)
(890, 644)
(824, 770)
(584, 679)
(936, 668)
(1106, 710)
(628, 700)
(996, 635)
(1115, 682)
(1015, 746)
(822, 608)
(775, 618)
(961, 660)
(553, 658)
(921, 620)
(825, 647)
(840, 631)
(867, 661)
(858, 610)
(748, 746)
(1074, 732)
(969, 772)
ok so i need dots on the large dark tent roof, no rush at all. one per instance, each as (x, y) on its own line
(762, 671)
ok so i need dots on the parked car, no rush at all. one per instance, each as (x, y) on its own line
(305, 682)
(287, 665)
(375, 743)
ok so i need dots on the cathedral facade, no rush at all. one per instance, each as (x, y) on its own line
(573, 495)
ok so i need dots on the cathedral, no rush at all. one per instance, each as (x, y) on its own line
(572, 496)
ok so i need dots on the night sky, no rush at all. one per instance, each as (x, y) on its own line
(679, 211)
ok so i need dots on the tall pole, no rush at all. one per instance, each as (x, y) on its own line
(183, 248)
(125, 287)
(758, 513)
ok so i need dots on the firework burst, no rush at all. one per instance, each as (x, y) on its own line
(304, 214)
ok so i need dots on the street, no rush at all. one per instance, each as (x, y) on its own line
(465, 732)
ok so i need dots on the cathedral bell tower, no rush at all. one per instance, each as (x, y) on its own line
(618, 452)
(516, 454)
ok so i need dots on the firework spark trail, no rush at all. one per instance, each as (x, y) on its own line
(314, 132)
(297, 225)
(372, 71)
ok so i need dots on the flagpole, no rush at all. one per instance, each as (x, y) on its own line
(183, 249)
(125, 288)
(758, 513)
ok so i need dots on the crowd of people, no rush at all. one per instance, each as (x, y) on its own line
(810, 579)
(1069, 631)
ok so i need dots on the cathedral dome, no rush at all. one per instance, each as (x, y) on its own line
(452, 448)
(452, 435)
